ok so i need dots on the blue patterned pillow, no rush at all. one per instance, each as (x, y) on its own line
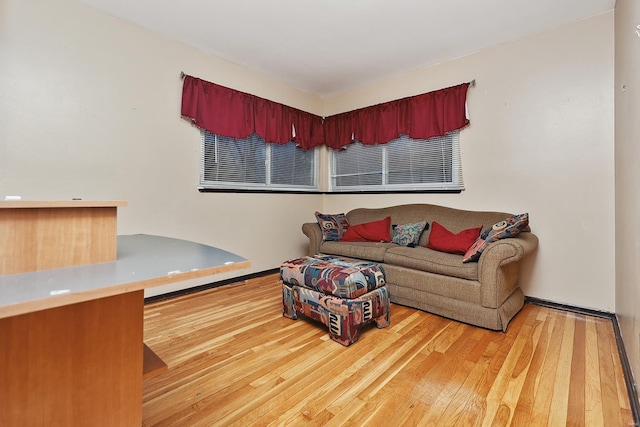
(510, 227)
(333, 226)
(408, 234)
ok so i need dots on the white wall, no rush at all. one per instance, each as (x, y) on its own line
(540, 141)
(627, 158)
(90, 108)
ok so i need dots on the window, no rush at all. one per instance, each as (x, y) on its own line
(403, 164)
(251, 164)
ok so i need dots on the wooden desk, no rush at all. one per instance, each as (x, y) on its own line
(71, 350)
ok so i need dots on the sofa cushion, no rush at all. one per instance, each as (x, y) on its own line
(408, 234)
(333, 226)
(374, 231)
(510, 227)
(371, 251)
(444, 240)
(424, 259)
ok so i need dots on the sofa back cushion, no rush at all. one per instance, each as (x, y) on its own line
(454, 220)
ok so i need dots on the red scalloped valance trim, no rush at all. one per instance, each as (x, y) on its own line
(237, 114)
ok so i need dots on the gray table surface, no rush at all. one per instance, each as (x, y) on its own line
(140, 257)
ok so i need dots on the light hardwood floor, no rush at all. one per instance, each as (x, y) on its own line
(234, 360)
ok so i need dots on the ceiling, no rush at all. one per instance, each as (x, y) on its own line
(329, 46)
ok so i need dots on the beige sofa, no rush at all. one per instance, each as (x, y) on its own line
(485, 293)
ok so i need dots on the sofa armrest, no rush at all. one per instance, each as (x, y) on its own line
(314, 233)
(499, 266)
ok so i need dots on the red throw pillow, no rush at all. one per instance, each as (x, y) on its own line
(375, 231)
(444, 240)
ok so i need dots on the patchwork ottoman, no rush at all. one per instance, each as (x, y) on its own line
(342, 294)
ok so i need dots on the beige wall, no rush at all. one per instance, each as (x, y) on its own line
(627, 159)
(90, 108)
(541, 141)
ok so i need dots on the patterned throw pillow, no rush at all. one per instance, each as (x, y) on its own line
(333, 226)
(510, 227)
(408, 234)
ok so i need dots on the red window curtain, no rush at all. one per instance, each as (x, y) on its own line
(421, 117)
(338, 130)
(309, 131)
(218, 109)
(236, 114)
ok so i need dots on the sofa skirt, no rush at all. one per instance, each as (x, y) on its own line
(496, 319)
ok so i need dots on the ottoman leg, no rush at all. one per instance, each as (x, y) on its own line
(383, 321)
(382, 302)
(288, 305)
(342, 330)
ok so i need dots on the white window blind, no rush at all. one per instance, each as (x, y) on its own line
(251, 164)
(403, 164)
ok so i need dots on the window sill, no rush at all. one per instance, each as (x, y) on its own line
(229, 190)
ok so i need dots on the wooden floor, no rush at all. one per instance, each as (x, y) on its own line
(234, 360)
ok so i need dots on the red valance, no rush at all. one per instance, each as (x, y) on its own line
(421, 117)
(236, 114)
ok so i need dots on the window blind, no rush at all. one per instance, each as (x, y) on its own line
(251, 164)
(402, 164)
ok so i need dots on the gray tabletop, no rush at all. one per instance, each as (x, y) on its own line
(142, 261)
